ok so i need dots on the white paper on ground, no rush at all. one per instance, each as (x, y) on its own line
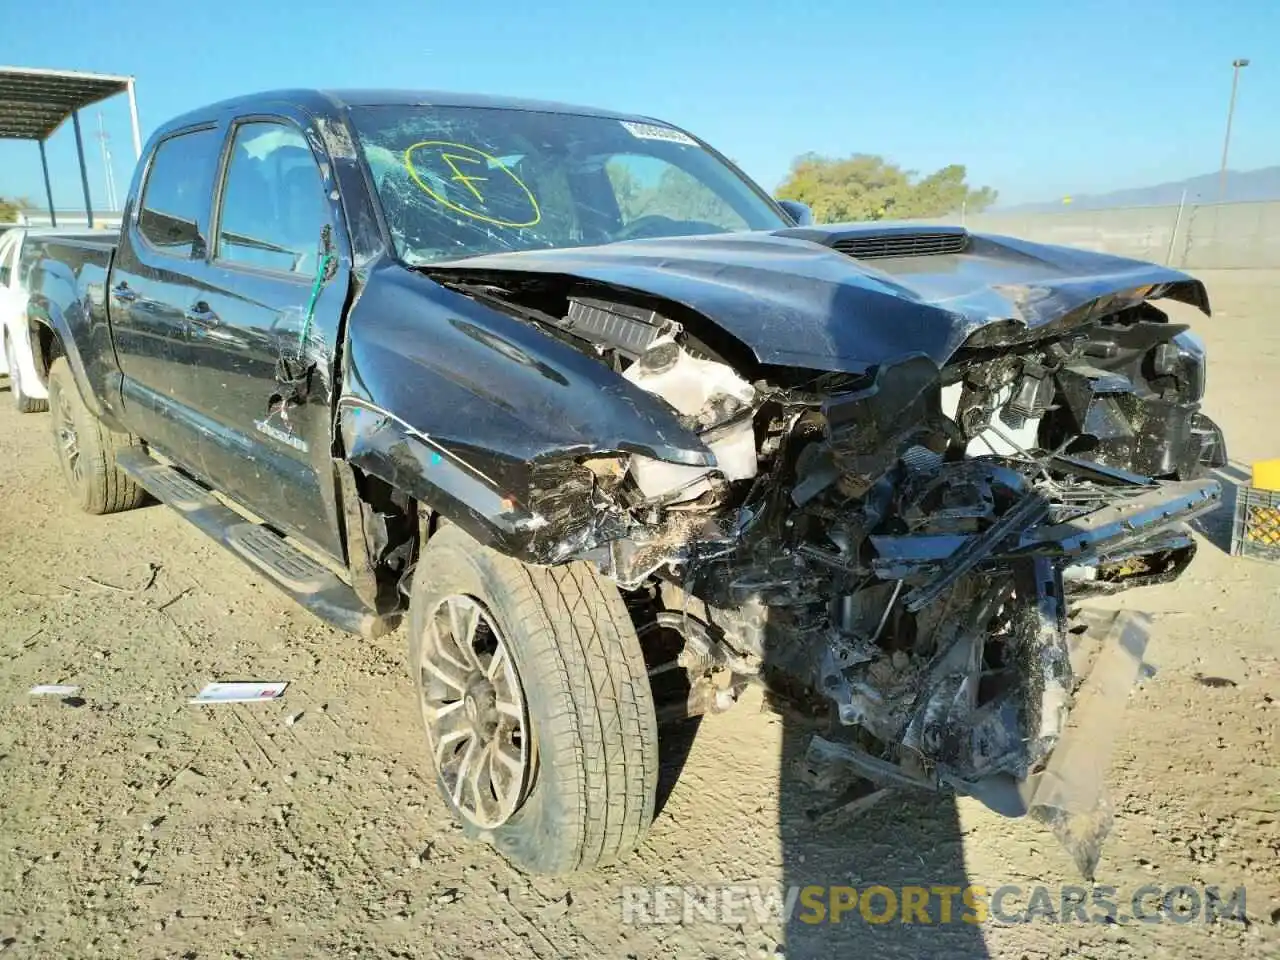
(241, 691)
(52, 690)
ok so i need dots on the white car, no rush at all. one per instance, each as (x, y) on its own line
(19, 252)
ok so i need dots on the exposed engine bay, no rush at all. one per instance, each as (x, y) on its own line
(894, 552)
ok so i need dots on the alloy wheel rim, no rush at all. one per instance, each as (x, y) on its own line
(474, 711)
(68, 442)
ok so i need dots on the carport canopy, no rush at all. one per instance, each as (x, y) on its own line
(34, 103)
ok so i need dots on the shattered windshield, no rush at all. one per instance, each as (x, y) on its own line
(462, 181)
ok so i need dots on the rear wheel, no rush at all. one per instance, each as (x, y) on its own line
(24, 403)
(87, 449)
(536, 703)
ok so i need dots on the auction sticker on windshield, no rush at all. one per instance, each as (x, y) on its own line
(655, 131)
(469, 181)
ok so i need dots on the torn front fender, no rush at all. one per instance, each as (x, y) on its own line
(484, 417)
(557, 514)
(385, 446)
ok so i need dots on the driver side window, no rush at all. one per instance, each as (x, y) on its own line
(646, 186)
(273, 202)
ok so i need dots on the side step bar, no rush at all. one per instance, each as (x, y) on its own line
(303, 578)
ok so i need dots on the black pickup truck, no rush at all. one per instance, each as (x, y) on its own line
(620, 434)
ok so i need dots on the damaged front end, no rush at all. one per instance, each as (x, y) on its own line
(903, 568)
(892, 547)
(913, 593)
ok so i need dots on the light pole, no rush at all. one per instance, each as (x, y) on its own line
(1226, 141)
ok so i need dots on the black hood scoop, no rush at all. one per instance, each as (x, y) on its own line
(902, 245)
(884, 241)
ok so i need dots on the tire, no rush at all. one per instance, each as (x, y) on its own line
(87, 449)
(591, 736)
(24, 403)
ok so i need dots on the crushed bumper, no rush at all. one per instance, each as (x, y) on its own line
(1068, 790)
(1069, 793)
(1030, 731)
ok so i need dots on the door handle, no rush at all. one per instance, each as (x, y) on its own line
(200, 313)
(122, 293)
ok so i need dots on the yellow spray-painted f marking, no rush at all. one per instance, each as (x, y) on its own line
(515, 196)
(467, 181)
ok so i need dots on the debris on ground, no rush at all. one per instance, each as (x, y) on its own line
(53, 690)
(239, 691)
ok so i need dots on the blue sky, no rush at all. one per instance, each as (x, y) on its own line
(1039, 98)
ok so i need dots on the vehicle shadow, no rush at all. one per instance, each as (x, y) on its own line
(906, 840)
(904, 844)
(1216, 525)
(675, 740)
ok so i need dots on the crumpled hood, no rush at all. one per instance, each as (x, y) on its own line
(793, 300)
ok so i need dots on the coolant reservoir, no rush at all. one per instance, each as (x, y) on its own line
(684, 381)
(708, 391)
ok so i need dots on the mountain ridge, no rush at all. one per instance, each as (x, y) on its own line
(1242, 185)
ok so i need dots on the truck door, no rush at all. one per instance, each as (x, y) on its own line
(163, 243)
(262, 326)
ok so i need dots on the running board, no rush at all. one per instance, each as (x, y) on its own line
(303, 578)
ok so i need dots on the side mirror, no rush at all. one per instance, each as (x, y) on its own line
(797, 211)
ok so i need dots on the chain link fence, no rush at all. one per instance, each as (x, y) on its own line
(1190, 236)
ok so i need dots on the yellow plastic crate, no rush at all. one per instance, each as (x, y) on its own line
(1266, 475)
(1255, 531)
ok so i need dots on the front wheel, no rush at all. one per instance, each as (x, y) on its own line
(536, 703)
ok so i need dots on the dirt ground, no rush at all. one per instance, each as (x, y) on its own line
(133, 824)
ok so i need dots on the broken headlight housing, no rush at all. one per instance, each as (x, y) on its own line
(1183, 358)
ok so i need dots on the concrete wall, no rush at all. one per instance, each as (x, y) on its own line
(1231, 235)
(1206, 236)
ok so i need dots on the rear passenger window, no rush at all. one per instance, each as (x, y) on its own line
(177, 191)
(27, 263)
(273, 202)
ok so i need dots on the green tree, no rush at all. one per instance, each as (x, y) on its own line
(680, 196)
(631, 195)
(868, 187)
(676, 194)
(946, 192)
(9, 210)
